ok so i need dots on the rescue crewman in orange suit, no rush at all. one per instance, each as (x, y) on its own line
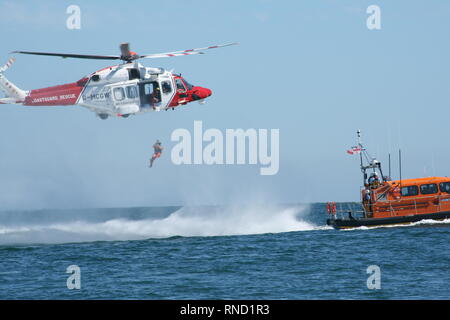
(157, 152)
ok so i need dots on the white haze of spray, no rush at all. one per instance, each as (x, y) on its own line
(195, 221)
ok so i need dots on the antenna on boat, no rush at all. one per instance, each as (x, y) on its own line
(400, 168)
(361, 151)
(372, 163)
(390, 166)
(358, 132)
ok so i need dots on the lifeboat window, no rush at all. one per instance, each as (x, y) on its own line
(445, 187)
(410, 191)
(428, 188)
(166, 87)
(131, 92)
(119, 94)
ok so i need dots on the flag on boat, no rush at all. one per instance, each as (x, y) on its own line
(354, 150)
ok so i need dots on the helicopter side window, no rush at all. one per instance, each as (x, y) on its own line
(133, 73)
(445, 187)
(410, 191)
(166, 87)
(149, 88)
(180, 86)
(131, 92)
(152, 91)
(119, 94)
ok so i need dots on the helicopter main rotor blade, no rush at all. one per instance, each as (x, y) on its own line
(70, 55)
(169, 54)
(126, 54)
(184, 52)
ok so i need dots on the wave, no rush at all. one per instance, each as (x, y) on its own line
(186, 222)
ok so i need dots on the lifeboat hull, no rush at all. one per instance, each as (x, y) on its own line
(374, 222)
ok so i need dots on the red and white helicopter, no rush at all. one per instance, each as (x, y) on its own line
(120, 90)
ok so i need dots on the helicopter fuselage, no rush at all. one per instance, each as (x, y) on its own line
(121, 90)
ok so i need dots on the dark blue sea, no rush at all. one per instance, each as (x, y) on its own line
(217, 252)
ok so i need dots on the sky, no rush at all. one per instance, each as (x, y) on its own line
(311, 69)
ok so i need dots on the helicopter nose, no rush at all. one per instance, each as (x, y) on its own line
(202, 93)
(208, 92)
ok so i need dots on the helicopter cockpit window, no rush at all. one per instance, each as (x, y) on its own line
(190, 86)
(132, 92)
(166, 87)
(119, 94)
(180, 85)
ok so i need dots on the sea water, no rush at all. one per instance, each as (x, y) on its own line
(217, 252)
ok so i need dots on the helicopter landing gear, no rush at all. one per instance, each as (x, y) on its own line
(125, 115)
(103, 116)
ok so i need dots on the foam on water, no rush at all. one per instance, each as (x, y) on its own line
(187, 221)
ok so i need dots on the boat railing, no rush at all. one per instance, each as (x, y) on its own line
(337, 211)
(392, 210)
(417, 203)
(394, 206)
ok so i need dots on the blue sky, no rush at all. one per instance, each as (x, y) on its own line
(309, 68)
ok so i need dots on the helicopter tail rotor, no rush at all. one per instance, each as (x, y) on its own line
(7, 65)
(12, 92)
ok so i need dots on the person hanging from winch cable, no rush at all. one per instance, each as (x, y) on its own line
(157, 153)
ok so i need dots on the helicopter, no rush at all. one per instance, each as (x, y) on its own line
(121, 90)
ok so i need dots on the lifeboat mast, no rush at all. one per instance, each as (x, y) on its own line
(372, 163)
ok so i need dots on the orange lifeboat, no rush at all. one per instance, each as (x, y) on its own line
(389, 202)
